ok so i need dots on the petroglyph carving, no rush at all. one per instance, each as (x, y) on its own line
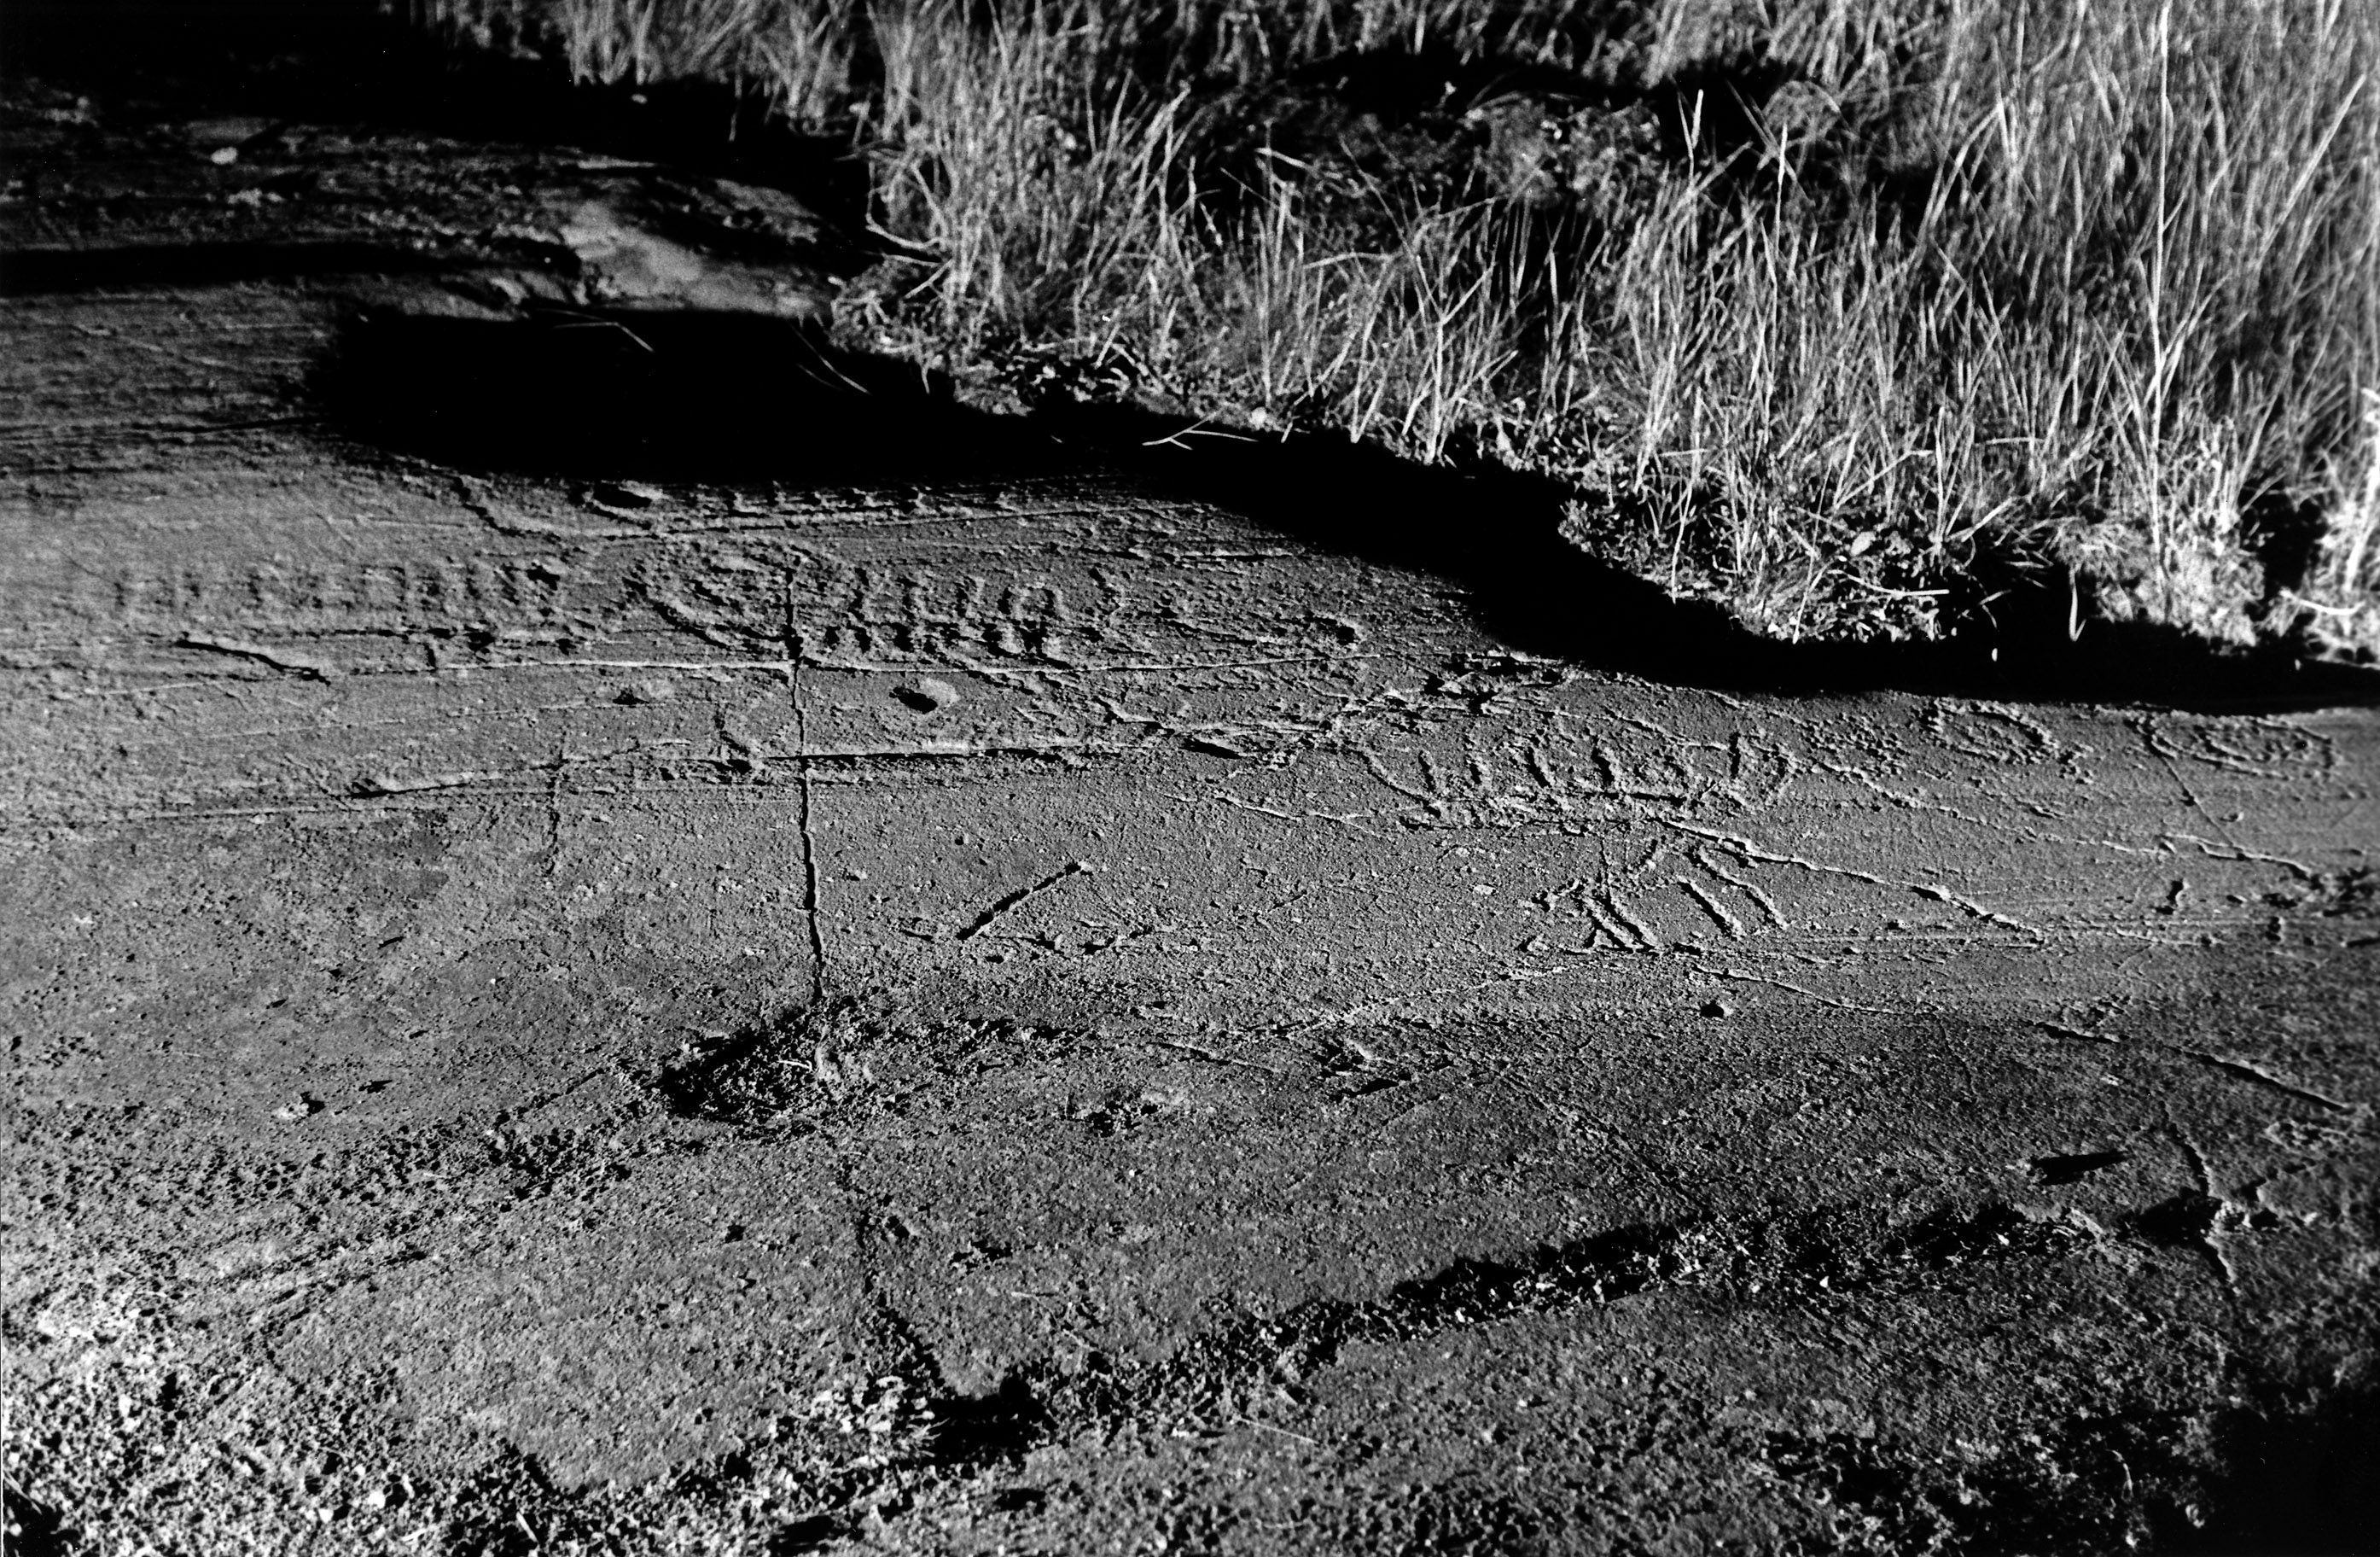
(1667, 896)
(860, 611)
(278, 592)
(2264, 749)
(1555, 768)
(2002, 735)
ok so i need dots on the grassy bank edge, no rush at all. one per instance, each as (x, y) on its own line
(1950, 308)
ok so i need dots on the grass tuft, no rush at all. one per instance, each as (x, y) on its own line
(1849, 313)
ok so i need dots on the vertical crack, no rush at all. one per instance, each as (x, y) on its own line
(554, 807)
(796, 660)
(2197, 1217)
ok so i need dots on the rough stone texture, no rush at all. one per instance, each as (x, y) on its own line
(611, 1009)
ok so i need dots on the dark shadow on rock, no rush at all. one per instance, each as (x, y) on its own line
(2303, 1482)
(2074, 1167)
(34, 1529)
(1000, 1428)
(719, 399)
(815, 1533)
(735, 398)
(1498, 533)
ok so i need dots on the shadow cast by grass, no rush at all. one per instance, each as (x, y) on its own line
(1500, 534)
(734, 398)
(712, 397)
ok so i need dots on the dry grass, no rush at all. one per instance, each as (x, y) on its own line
(1829, 309)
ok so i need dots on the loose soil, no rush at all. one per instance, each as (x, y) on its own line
(627, 934)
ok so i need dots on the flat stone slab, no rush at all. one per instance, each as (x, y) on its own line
(1034, 1011)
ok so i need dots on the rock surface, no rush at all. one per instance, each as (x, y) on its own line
(600, 1007)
